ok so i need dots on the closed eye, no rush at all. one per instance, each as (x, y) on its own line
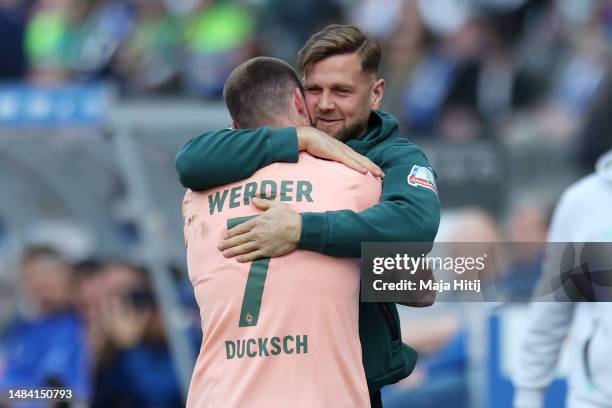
(312, 89)
(342, 90)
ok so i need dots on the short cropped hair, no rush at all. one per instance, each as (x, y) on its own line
(47, 254)
(339, 39)
(38, 252)
(257, 92)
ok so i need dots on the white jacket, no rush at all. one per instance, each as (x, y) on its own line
(584, 214)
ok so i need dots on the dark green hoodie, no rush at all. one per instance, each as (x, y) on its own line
(409, 211)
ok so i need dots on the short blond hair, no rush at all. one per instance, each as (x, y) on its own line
(339, 39)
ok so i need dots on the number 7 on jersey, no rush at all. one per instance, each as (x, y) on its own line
(253, 290)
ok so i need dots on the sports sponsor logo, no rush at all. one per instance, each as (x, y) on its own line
(422, 177)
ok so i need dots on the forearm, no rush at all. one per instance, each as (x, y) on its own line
(340, 233)
(407, 212)
(221, 157)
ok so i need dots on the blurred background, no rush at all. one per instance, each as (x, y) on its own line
(510, 100)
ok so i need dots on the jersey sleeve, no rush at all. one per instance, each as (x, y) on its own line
(221, 157)
(409, 210)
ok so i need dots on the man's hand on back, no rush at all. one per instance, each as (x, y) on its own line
(321, 145)
(277, 231)
(274, 233)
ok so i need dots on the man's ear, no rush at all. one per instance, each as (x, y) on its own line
(378, 90)
(300, 103)
(234, 124)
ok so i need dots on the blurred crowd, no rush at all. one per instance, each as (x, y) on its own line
(509, 70)
(92, 327)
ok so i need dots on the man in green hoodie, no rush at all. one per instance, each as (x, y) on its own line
(343, 94)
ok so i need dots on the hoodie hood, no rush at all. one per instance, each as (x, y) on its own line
(604, 166)
(381, 126)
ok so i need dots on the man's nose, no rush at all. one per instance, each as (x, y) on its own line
(325, 102)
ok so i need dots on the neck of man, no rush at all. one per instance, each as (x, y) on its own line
(357, 131)
(283, 122)
(371, 122)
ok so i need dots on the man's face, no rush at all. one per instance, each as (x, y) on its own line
(340, 96)
(48, 283)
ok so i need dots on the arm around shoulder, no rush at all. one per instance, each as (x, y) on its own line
(221, 157)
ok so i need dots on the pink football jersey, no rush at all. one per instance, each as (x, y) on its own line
(283, 331)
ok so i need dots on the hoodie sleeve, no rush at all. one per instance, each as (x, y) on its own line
(409, 209)
(220, 157)
(547, 326)
(547, 329)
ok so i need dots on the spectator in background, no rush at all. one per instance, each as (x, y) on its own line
(47, 347)
(105, 28)
(380, 18)
(527, 231)
(585, 62)
(568, 50)
(149, 59)
(458, 43)
(218, 38)
(12, 25)
(75, 40)
(88, 288)
(285, 26)
(405, 44)
(90, 295)
(469, 73)
(134, 366)
(47, 39)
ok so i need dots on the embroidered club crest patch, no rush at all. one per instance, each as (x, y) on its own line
(422, 177)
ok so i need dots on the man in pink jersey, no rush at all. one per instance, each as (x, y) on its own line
(282, 331)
